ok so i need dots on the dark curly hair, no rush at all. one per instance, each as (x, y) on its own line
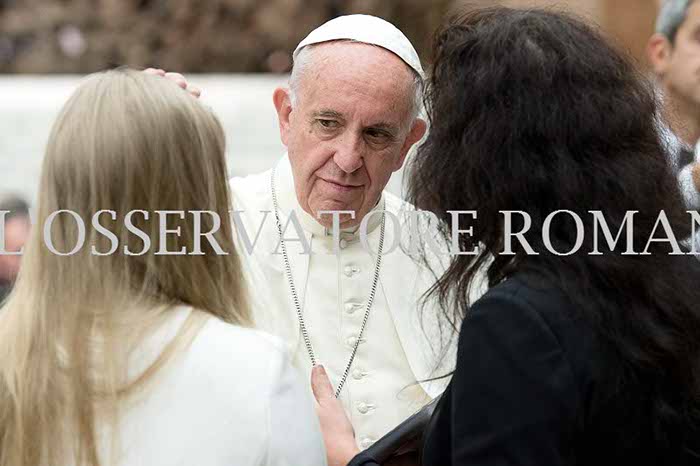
(532, 110)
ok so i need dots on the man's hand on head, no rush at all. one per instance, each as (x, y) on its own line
(177, 78)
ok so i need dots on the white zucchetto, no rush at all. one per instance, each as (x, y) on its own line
(369, 30)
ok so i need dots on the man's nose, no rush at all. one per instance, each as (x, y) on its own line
(348, 153)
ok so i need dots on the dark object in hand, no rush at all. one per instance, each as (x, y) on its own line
(408, 459)
(403, 438)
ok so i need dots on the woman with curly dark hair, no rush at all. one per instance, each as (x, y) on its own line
(568, 359)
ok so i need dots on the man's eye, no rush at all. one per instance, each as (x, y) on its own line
(328, 124)
(377, 135)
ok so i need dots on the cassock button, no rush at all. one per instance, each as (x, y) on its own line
(350, 308)
(363, 408)
(350, 270)
(352, 341)
(366, 443)
(358, 374)
(343, 243)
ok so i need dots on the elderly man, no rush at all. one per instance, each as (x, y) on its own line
(335, 287)
(348, 120)
(674, 53)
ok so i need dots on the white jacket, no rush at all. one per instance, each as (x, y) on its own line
(230, 399)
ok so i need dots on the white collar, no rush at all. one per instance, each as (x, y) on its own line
(288, 202)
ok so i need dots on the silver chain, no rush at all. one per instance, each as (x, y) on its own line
(295, 297)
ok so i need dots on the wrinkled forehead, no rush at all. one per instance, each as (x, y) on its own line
(348, 74)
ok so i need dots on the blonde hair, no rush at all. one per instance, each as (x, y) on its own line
(124, 141)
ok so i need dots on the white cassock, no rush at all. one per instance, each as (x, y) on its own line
(395, 356)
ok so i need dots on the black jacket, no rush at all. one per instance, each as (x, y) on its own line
(530, 390)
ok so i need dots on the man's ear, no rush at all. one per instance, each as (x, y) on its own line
(283, 104)
(659, 50)
(416, 134)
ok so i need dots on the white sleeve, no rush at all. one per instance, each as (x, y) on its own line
(688, 189)
(295, 434)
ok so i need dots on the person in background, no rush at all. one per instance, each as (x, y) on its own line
(16, 232)
(120, 354)
(571, 357)
(674, 54)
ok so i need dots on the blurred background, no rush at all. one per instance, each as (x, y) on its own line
(237, 51)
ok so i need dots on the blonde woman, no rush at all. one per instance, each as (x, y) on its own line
(116, 353)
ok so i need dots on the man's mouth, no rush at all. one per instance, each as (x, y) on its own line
(341, 186)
